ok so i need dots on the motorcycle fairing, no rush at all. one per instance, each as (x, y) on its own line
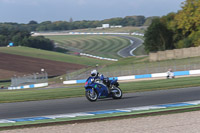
(100, 87)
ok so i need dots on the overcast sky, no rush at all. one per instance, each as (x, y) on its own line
(22, 11)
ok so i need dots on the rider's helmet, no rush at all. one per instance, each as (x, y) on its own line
(94, 73)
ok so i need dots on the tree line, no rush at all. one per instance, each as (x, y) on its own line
(175, 30)
(71, 25)
(22, 37)
(20, 34)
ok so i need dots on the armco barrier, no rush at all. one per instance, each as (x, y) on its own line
(132, 77)
(98, 57)
(29, 86)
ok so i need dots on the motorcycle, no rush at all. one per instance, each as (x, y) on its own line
(102, 88)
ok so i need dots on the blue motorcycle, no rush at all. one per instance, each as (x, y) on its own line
(96, 88)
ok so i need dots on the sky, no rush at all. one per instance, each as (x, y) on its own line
(23, 11)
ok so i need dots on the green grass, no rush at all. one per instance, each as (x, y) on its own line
(5, 84)
(59, 93)
(49, 55)
(7, 96)
(161, 84)
(99, 45)
(140, 51)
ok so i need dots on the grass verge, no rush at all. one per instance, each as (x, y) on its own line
(140, 51)
(50, 55)
(4, 84)
(7, 96)
(161, 84)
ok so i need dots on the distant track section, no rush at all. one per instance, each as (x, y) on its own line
(128, 51)
(103, 47)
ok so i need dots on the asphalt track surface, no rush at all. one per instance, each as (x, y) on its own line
(127, 51)
(81, 104)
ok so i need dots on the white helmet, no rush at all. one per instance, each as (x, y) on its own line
(94, 73)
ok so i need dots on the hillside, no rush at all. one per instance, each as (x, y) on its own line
(54, 56)
(21, 61)
(21, 65)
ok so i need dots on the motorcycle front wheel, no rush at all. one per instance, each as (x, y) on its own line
(91, 96)
(117, 94)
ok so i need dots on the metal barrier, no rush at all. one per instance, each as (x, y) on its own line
(145, 76)
(135, 69)
(29, 79)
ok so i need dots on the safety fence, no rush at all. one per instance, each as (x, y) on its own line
(136, 69)
(34, 78)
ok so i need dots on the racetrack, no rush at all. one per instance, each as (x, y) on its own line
(105, 46)
(74, 105)
(127, 51)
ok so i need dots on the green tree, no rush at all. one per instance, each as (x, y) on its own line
(3, 40)
(188, 24)
(38, 42)
(139, 20)
(188, 19)
(128, 21)
(148, 20)
(158, 37)
(33, 22)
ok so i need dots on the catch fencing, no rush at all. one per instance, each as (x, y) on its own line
(29, 79)
(137, 69)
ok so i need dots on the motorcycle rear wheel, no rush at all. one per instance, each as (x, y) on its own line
(90, 96)
(118, 94)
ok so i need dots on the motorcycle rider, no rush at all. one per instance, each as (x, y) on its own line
(98, 78)
(170, 74)
(94, 73)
